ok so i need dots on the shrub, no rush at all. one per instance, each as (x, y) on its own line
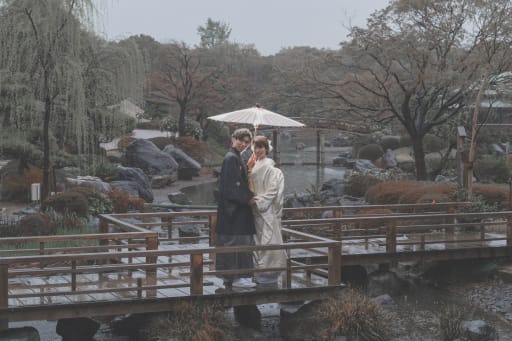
(491, 168)
(190, 321)
(369, 224)
(405, 141)
(492, 195)
(370, 152)
(36, 224)
(122, 202)
(123, 142)
(421, 194)
(390, 142)
(192, 147)
(355, 316)
(357, 185)
(433, 143)
(98, 202)
(389, 192)
(105, 170)
(17, 187)
(66, 221)
(69, 202)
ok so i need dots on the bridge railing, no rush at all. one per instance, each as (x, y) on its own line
(140, 274)
(166, 222)
(417, 231)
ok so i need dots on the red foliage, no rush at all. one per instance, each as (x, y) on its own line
(122, 202)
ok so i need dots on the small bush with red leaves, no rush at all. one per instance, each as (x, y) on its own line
(357, 185)
(69, 202)
(122, 202)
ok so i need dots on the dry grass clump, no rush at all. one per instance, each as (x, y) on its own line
(190, 321)
(450, 323)
(427, 193)
(389, 192)
(357, 185)
(369, 224)
(356, 317)
(492, 195)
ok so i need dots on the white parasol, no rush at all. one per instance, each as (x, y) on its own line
(258, 117)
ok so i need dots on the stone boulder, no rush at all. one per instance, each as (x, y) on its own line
(333, 187)
(77, 329)
(478, 330)
(145, 155)
(302, 324)
(185, 162)
(363, 165)
(89, 182)
(178, 198)
(137, 176)
(130, 187)
(389, 159)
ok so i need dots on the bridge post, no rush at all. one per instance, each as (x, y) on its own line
(213, 239)
(391, 237)
(151, 244)
(334, 261)
(196, 274)
(4, 294)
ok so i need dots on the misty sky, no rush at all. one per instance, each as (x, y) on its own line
(268, 24)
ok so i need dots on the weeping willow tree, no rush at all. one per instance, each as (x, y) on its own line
(56, 74)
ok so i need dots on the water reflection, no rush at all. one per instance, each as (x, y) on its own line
(297, 179)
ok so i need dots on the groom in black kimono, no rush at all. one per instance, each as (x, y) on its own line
(235, 222)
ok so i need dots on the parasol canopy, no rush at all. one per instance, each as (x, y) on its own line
(258, 117)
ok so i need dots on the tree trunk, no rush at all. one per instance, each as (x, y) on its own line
(181, 121)
(419, 157)
(46, 149)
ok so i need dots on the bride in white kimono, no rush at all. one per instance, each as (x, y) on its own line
(268, 187)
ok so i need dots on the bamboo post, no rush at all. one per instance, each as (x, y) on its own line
(461, 169)
(334, 261)
(4, 294)
(196, 274)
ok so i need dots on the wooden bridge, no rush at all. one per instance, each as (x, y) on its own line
(140, 261)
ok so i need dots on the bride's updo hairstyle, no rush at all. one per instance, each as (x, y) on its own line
(262, 142)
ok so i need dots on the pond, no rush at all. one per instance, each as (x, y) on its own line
(298, 178)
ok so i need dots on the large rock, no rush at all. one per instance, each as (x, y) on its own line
(363, 165)
(333, 187)
(140, 178)
(389, 159)
(130, 187)
(145, 155)
(478, 330)
(90, 182)
(303, 324)
(185, 162)
(77, 329)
